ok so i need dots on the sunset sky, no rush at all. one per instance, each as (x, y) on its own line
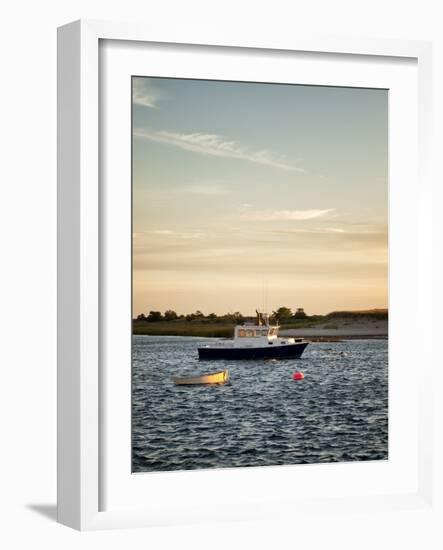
(248, 195)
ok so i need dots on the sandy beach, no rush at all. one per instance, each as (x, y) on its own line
(342, 329)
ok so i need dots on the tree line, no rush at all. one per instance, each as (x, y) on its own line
(282, 314)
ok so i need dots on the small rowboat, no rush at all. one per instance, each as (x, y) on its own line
(215, 378)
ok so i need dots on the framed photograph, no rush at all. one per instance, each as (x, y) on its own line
(242, 273)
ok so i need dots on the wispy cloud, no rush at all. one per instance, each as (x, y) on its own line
(335, 230)
(177, 234)
(284, 215)
(366, 239)
(143, 93)
(217, 146)
(210, 189)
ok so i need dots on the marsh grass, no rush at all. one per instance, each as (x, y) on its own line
(183, 328)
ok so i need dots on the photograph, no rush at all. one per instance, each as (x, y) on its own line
(260, 267)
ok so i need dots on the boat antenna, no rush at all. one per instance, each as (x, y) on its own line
(264, 304)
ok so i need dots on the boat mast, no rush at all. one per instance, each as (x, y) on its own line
(262, 319)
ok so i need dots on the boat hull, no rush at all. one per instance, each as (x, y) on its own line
(214, 378)
(270, 352)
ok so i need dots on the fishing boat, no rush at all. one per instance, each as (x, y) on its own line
(213, 378)
(259, 340)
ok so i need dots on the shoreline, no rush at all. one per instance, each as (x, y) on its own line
(313, 338)
(344, 338)
(336, 335)
(322, 330)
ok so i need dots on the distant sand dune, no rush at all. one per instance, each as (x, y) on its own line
(342, 328)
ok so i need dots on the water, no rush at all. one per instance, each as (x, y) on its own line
(339, 412)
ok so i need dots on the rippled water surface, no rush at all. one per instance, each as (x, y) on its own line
(339, 412)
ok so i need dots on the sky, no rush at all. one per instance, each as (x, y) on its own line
(252, 195)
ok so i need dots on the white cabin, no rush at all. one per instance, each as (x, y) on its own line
(260, 334)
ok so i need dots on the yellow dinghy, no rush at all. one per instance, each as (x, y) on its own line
(214, 378)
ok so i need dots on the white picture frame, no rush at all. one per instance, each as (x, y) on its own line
(81, 396)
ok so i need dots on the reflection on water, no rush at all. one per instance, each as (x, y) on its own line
(339, 412)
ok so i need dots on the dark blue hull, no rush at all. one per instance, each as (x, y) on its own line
(270, 352)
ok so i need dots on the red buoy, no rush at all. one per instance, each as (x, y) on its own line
(298, 376)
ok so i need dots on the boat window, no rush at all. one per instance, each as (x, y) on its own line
(270, 343)
(250, 333)
(241, 333)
